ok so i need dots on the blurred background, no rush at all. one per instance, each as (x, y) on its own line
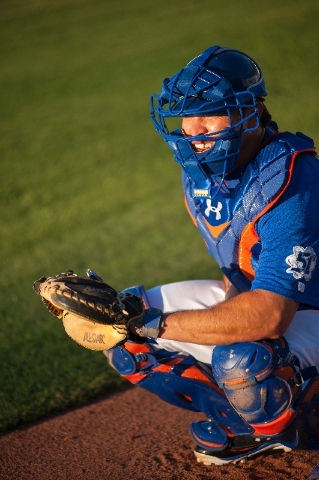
(86, 182)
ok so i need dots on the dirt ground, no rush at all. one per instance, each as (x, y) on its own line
(131, 435)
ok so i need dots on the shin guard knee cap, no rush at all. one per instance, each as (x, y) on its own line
(241, 365)
(245, 372)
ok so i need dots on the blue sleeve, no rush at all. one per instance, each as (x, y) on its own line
(289, 238)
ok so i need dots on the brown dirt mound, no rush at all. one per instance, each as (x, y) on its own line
(130, 435)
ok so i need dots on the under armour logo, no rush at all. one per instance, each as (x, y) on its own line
(216, 210)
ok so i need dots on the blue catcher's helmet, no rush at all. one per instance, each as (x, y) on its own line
(220, 81)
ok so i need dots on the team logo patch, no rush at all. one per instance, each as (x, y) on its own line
(302, 262)
(210, 208)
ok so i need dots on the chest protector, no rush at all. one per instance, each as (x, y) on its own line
(227, 221)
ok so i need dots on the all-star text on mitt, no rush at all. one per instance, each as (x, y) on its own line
(94, 314)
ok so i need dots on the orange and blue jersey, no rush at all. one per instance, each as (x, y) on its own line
(262, 227)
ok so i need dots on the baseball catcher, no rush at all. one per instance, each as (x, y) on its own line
(243, 351)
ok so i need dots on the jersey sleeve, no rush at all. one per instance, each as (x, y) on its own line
(285, 260)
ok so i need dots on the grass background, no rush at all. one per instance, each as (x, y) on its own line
(86, 181)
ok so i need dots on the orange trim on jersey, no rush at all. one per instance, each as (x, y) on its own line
(276, 426)
(249, 235)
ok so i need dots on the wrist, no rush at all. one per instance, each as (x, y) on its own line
(149, 325)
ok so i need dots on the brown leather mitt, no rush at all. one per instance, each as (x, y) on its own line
(93, 314)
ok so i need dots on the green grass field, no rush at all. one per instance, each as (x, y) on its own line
(86, 181)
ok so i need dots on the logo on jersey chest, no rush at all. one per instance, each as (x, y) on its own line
(210, 208)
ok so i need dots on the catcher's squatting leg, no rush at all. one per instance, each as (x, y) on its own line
(254, 395)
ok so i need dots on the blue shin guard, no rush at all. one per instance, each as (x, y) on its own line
(186, 383)
(240, 415)
(267, 389)
(263, 383)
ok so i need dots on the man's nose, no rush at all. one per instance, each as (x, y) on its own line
(194, 126)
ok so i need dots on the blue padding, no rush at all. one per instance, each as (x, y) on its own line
(196, 396)
(172, 387)
(208, 434)
(242, 362)
(263, 402)
(126, 363)
(122, 360)
(245, 372)
(185, 80)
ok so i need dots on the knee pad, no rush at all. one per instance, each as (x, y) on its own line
(257, 378)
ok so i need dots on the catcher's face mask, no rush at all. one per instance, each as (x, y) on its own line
(220, 82)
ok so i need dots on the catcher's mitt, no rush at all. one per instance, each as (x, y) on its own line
(94, 314)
